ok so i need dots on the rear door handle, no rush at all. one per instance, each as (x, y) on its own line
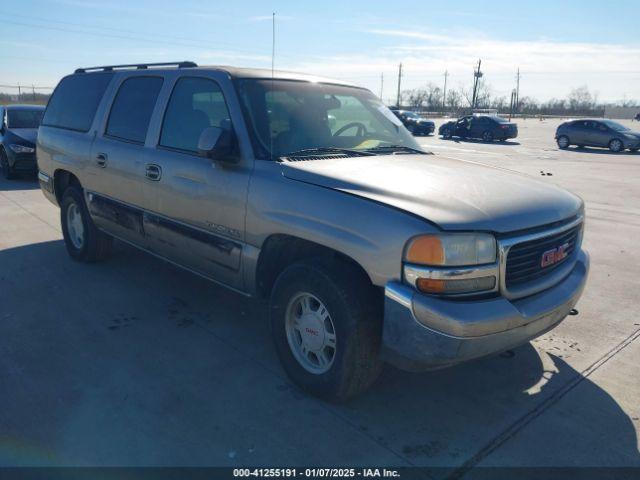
(153, 171)
(101, 160)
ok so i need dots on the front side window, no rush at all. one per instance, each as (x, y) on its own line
(132, 108)
(618, 127)
(195, 104)
(286, 116)
(75, 101)
(24, 118)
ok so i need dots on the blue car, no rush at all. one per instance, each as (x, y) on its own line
(18, 134)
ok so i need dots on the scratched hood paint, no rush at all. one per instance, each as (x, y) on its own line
(452, 193)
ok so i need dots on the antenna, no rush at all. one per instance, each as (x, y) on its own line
(273, 63)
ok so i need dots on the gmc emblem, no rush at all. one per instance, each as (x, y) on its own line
(554, 255)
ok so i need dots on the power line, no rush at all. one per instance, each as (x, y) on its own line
(28, 86)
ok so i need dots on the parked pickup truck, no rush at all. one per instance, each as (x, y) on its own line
(368, 248)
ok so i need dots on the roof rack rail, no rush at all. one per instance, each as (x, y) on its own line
(137, 66)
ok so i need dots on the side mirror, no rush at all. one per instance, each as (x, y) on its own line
(217, 144)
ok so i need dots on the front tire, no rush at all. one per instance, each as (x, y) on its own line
(84, 242)
(7, 171)
(616, 145)
(563, 142)
(446, 134)
(326, 326)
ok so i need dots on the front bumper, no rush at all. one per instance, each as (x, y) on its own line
(422, 332)
(423, 128)
(22, 162)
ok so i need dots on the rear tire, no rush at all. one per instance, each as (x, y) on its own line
(7, 171)
(616, 145)
(340, 322)
(634, 150)
(487, 136)
(84, 242)
(563, 142)
(446, 134)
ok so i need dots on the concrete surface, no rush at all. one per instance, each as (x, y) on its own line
(135, 362)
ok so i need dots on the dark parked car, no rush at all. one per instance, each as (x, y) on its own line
(485, 127)
(597, 133)
(18, 134)
(416, 124)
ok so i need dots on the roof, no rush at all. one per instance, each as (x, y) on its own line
(23, 106)
(234, 72)
(239, 72)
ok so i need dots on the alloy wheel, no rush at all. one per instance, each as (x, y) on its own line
(75, 227)
(310, 333)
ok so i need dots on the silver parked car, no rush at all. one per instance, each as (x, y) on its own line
(597, 133)
(310, 192)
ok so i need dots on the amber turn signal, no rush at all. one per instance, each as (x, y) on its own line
(426, 250)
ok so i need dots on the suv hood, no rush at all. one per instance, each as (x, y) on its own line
(454, 194)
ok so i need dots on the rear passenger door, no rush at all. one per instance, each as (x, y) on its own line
(120, 161)
(199, 204)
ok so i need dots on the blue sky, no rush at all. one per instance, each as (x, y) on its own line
(558, 45)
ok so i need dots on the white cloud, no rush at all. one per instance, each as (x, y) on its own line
(549, 68)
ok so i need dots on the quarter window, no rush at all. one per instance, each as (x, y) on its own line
(195, 104)
(75, 101)
(132, 108)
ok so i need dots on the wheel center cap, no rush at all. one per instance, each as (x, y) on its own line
(312, 331)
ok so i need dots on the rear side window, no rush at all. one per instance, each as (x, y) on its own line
(75, 101)
(132, 108)
(195, 104)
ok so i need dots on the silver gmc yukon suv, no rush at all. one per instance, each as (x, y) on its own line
(310, 192)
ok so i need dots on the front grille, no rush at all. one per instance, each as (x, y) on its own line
(524, 260)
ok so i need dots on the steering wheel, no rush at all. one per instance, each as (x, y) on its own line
(360, 132)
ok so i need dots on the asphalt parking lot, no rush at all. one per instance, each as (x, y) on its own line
(135, 362)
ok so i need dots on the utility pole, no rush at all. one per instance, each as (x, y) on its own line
(399, 81)
(381, 85)
(513, 103)
(444, 93)
(518, 90)
(33, 91)
(477, 74)
(19, 92)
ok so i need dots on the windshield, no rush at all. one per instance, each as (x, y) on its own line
(24, 118)
(412, 115)
(286, 116)
(615, 125)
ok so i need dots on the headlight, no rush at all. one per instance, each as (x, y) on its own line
(452, 249)
(455, 263)
(21, 148)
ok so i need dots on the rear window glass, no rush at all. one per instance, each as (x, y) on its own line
(75, 101)
(132, 108)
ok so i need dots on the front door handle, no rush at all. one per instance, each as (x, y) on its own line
(101, 160)
(153, 171)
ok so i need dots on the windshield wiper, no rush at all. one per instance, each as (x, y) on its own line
(396, 149)
(325, 151)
